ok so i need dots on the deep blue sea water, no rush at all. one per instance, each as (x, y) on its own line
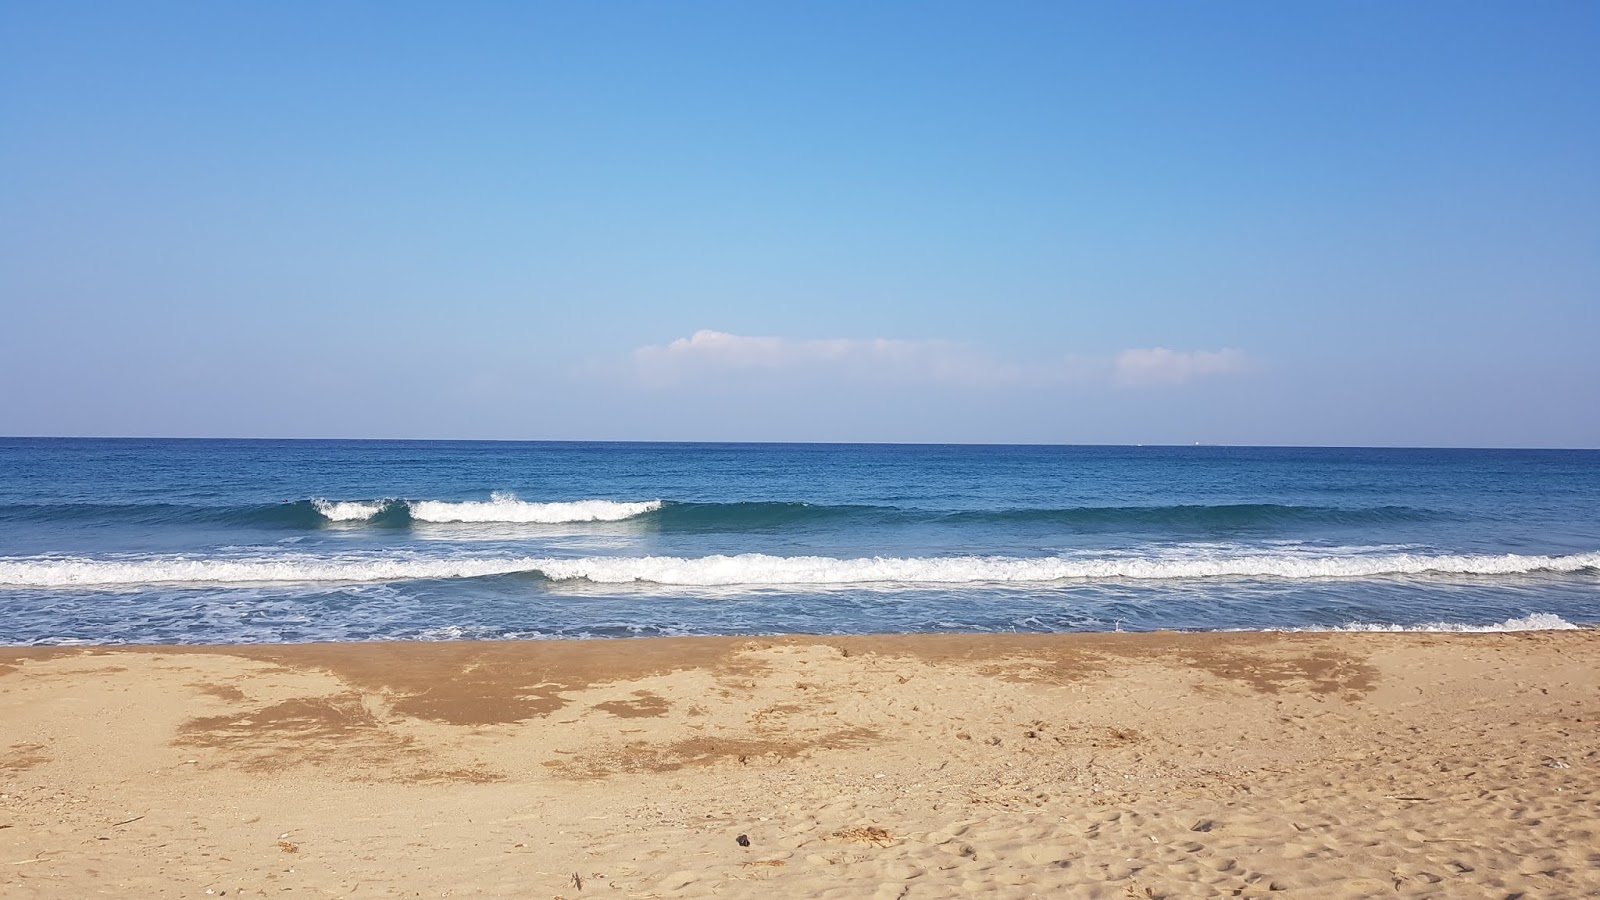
(190, 541)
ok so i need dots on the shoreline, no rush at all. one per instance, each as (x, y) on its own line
(1159, 764)
(1530, 623)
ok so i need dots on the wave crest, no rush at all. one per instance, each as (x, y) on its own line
(760, 570)
(507, 508)
(499, 508)
(763, 570)
(348, 510)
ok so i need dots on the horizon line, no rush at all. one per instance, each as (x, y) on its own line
(1154, 445)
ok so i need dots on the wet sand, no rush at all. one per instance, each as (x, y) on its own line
(1329, 765)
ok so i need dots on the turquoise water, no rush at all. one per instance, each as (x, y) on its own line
(179, 541)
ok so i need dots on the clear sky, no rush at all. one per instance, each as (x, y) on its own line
(1354, 222)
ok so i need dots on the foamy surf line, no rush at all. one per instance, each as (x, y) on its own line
(1530, 622)
(502, 508)
(760, 570)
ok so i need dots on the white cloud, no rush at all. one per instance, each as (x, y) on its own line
(876, 359)
(719, 354)
(1159, 366)
(720, 349)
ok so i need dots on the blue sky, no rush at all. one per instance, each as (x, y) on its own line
(1238, 222)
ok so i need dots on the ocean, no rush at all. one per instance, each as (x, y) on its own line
(221, 541)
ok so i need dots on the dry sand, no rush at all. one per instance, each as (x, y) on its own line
(1338, 765)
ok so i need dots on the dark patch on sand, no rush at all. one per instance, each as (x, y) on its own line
(1270, 663)
(456, 776)
(221, 692)
(335, 732)
(493, 683)
(1324, 671)
(643, 757)
(23, 756)
(1031, 658)
(644, 705)
(338, 728)
(761, 718)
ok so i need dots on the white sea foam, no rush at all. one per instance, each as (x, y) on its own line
(501, 508)
(179, 570)
(1531, 622)
(761, 570)
(347, 510)
(507, 508)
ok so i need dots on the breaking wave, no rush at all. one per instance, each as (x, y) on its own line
(348, 510)
(753, 569)
(318, 512)
(499, 508)
(507, 508)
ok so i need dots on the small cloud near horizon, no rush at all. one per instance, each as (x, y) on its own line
(893, 360)
(1159, 366)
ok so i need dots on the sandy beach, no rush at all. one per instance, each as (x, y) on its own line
(1159, 765)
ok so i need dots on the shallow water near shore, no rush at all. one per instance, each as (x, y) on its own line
(186, 541)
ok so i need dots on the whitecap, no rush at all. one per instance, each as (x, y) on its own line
(755, 569)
